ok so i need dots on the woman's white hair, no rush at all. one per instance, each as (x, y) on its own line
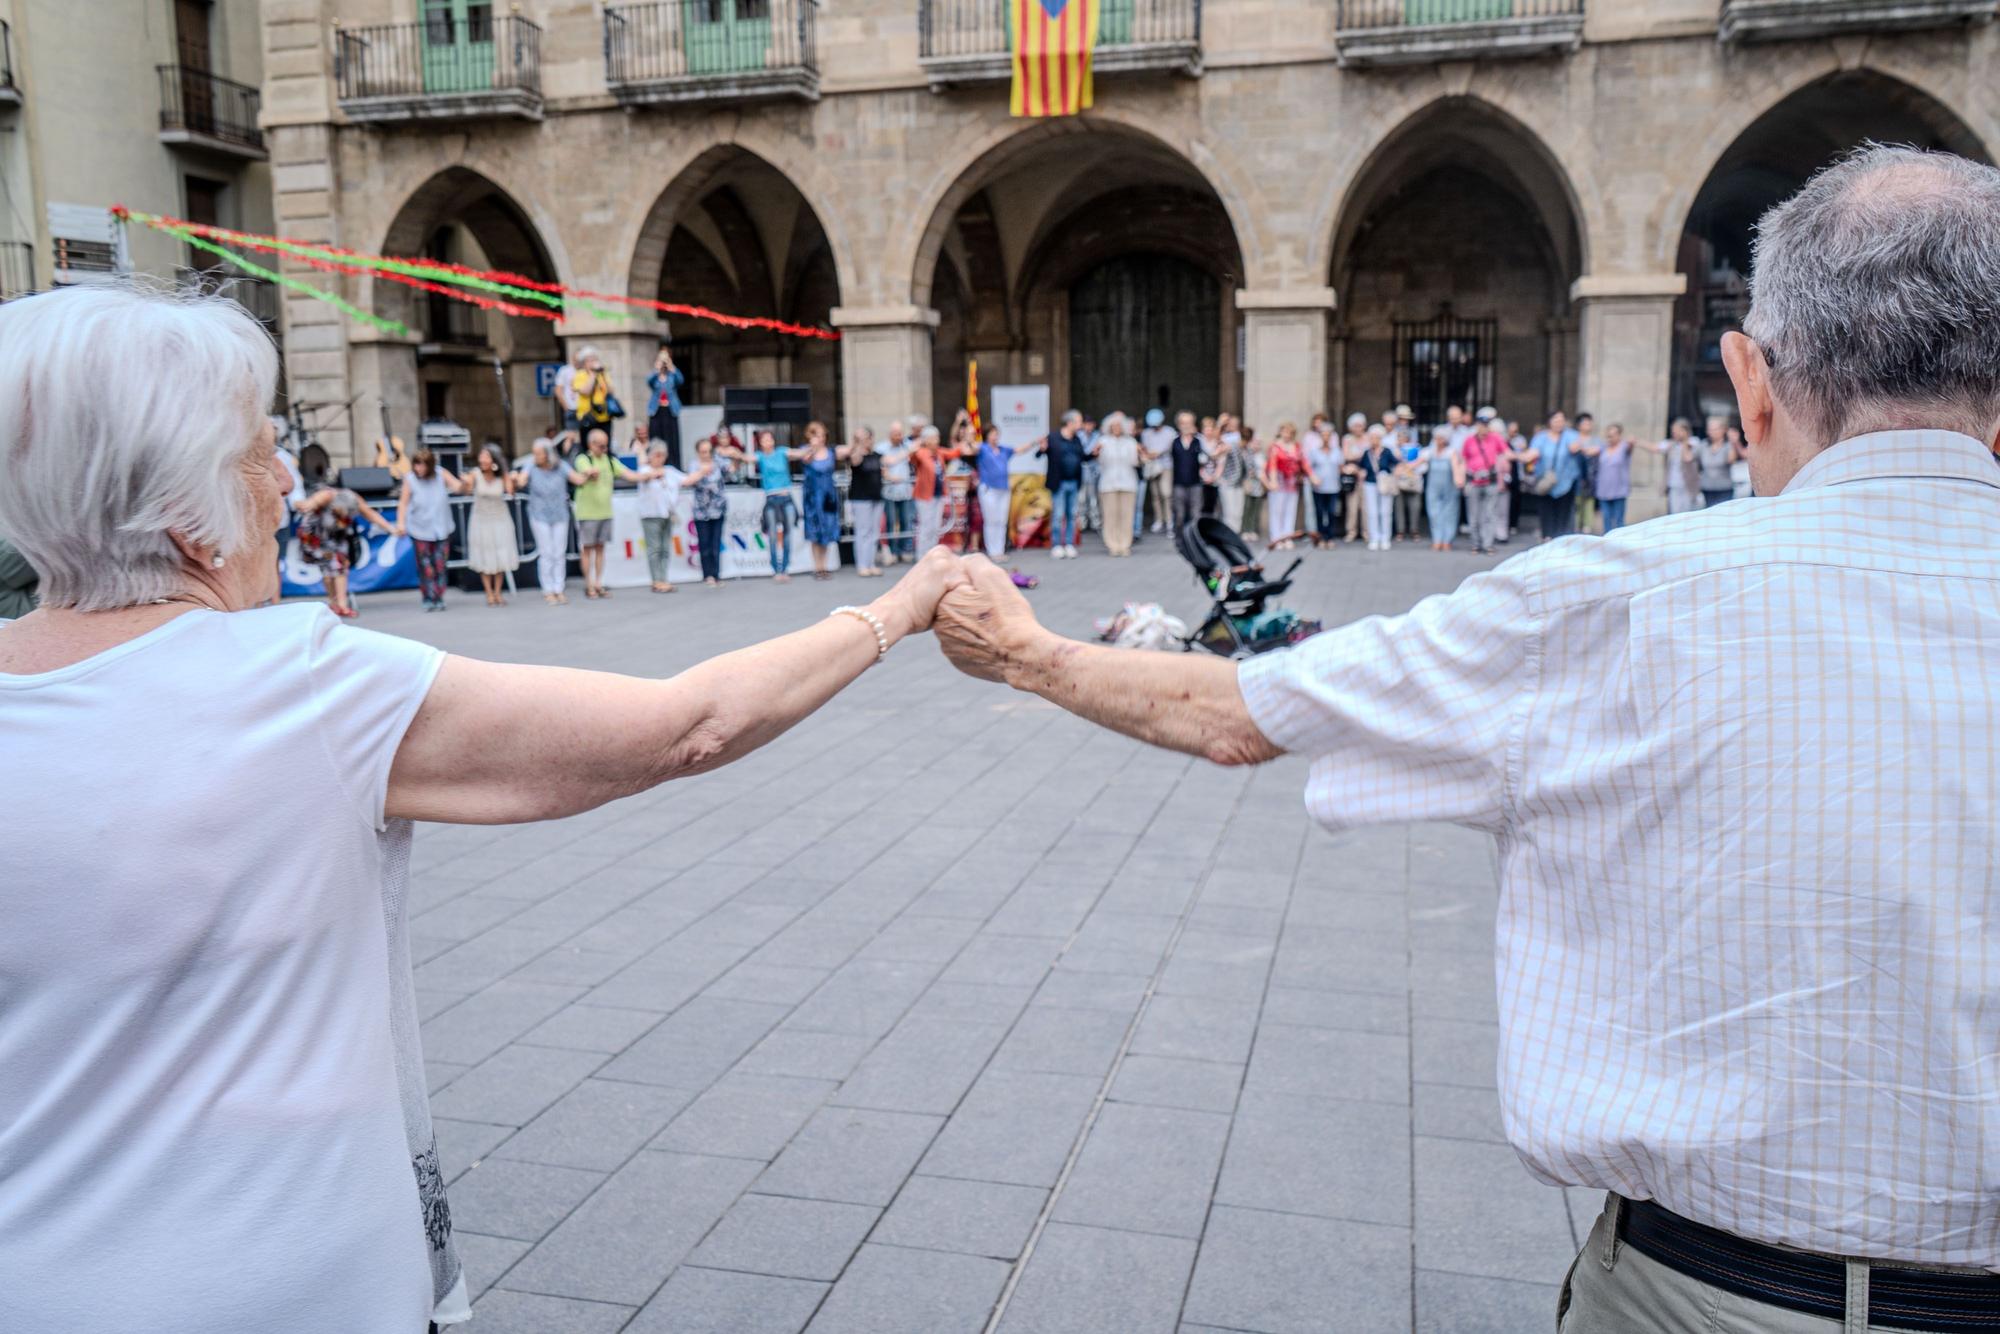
(126, 413)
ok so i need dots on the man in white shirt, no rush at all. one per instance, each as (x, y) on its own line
(1155, 441)
(1744, 770)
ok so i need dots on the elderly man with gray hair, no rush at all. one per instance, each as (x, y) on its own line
(1744, 770)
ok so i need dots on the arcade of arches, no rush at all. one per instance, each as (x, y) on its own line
(1512, 234)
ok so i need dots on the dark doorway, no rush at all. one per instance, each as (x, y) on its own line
(1774, 157)
(203, 204)
(1140, 322)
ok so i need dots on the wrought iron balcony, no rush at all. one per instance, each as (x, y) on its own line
(1773, 20)
(205, 110)
(965, 42)
(10, 92)
(1420, 32)
(712, 51)
(477, 65)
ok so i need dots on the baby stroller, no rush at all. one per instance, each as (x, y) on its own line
(1239, 625)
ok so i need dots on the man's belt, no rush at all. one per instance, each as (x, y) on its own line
(1925, 1299)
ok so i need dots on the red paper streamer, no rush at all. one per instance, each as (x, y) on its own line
(502, 276)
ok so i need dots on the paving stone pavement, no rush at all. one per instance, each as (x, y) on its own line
(948, 1013)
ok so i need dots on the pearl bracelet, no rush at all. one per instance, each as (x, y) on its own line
(869, 619)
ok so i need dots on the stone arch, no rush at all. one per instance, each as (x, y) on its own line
(1769, 157)
(1504, 118)
(734, 231)
(1460, 230)
(463, 355)
(958, 178)
(646, 239)
(1010, 252)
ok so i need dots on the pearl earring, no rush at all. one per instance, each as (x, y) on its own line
(217, 562)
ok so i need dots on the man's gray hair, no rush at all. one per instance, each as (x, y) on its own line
(1875, 295)
(128, 414)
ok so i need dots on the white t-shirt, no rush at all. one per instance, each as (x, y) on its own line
(658, 495)
(1158, 440)
(1117, 463)
(213, 1113)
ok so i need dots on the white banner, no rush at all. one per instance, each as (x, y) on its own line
(744, 552)
(1021, 411)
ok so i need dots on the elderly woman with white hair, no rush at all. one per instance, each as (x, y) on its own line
(213, 1112)
(1116, 452)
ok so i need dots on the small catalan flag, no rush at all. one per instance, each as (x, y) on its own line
(1053, 41)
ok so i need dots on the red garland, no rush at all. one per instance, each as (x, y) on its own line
(422, 284)
(502, 276)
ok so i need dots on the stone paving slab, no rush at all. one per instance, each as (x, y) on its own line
(949, 1013)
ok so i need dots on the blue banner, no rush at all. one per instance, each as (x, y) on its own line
(386, 562)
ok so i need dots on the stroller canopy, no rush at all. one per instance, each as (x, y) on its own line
(1212, 547)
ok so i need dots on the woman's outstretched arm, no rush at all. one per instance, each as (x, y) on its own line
(499, 743)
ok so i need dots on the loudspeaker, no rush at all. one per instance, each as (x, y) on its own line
(369, 483)
(767, 405)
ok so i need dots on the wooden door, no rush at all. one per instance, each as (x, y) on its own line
(457, 46)
(196, 60)
(727, 36)
(1144, 326)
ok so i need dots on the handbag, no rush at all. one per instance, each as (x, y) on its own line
(1544, 484)
(613, 406)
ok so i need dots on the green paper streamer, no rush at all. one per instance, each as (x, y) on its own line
(284, 280)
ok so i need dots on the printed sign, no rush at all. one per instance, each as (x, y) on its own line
(1021, 411)
(546, 375)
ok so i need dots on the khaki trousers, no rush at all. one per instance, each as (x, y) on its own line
(1352, 501)
(1613, 1289)
(1117, 520)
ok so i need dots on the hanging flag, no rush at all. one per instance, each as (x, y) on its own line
(972, 394)
(1052, 42)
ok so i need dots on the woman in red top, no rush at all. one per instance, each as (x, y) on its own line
(926, 463)
(1283, 467)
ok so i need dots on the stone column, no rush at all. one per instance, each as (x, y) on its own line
(1284, 376)
(381, 368)
(885, 363)
(1626, 354)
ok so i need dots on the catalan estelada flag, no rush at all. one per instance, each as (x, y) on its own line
(972, 395)
(1053, 40)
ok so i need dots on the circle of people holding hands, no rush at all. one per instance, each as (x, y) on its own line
(916, 486)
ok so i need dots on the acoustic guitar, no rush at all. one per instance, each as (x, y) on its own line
(389, 450)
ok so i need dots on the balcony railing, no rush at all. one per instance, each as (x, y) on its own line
(1772, 20)
(10, 92)
(712, 50)
(447, 67)
(209, 111)
(17, 269)
(1414, 32)
(970, 41)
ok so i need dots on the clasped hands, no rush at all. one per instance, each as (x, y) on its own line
(982, 622)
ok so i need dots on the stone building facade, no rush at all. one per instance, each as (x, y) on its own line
(1276, 206)
(156, 109)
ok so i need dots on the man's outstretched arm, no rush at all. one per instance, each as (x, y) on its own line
(1180, 701)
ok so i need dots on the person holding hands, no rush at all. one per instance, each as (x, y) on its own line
(424, 512)
(594, 475)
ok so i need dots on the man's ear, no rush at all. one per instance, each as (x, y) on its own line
(1751, 376)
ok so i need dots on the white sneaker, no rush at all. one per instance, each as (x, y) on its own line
(1071, 551)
